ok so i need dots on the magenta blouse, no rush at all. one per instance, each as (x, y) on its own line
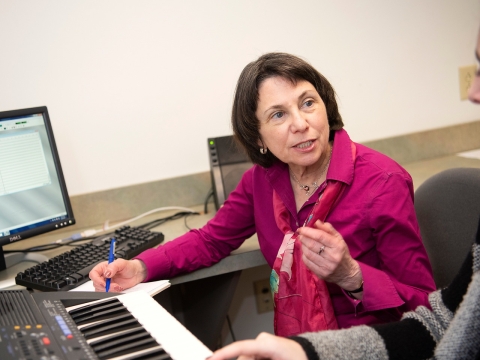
(375, 216)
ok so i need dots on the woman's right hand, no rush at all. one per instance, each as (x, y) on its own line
(265, 346)
(123, 274)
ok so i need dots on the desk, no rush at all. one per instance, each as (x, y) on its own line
(200, 300)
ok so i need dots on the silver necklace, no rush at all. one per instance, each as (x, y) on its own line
(310, 189)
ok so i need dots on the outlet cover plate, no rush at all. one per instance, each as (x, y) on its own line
(263, 296)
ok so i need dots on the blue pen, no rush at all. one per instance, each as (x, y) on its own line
(111, 257)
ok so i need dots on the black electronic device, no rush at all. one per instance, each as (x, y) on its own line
(71, 268)
(33, 194)
(93, 326)
(228, 162)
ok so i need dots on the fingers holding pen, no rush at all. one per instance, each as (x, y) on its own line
(98, 275)
(121, 272)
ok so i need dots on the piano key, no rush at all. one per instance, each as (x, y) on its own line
(98, 312)
(112, 334)
(143, 342)
(109, 327)
(117, 338)
(155, 353)
(169, 334)
(91, 305)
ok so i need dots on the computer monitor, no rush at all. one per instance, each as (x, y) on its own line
(33, 195)
(228, 162)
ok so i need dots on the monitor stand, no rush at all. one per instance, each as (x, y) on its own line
(13, 263)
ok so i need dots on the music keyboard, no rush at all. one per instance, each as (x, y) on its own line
(72, 326)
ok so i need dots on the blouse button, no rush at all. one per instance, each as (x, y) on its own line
(296, 223)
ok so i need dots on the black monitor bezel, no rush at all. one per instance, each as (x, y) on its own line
(69, 220)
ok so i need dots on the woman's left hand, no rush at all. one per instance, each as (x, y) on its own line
(326, 254)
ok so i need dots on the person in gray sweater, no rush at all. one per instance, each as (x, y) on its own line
(450, 330)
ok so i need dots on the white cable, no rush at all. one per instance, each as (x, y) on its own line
(88, 233)
(148, 213)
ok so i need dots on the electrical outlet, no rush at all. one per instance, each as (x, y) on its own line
(466, 74)
(263, 296)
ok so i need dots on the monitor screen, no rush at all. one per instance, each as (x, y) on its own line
(33, 195)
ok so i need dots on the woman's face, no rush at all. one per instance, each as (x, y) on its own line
(293, 121)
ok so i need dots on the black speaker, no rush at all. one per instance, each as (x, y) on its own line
(228, 162)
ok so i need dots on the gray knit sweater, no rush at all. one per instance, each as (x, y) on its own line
(451, 330)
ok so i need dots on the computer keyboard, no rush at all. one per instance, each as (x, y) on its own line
(70, 269)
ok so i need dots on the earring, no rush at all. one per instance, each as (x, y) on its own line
(263, 150)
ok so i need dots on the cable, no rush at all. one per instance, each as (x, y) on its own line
(157, 222)
(185, 220)
(35, 249)
(148, 213)
(205, 206)
(230, 328)
(46, 247)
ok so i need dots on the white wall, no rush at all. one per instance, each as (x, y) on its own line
(246, 322)
(134, 88)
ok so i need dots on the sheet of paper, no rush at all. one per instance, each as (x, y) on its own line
(152, 288)
(473, 154)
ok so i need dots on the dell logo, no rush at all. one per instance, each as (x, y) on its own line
(15, 238)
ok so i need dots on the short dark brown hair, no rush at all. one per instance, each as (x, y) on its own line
(244, 122)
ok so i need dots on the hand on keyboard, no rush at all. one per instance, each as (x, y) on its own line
(124, 274)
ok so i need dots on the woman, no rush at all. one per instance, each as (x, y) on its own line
(334, 219)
